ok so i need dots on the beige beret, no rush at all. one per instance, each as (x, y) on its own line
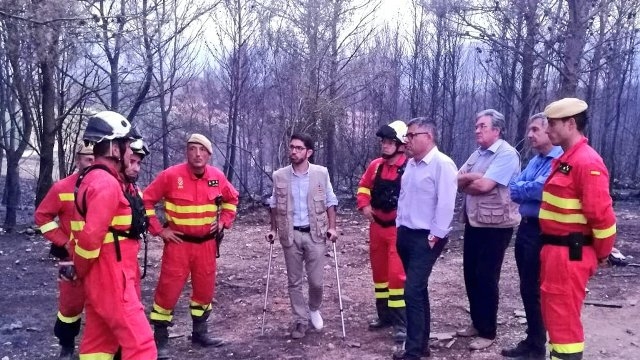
(565, 108)
(85, 150)
(202, 140)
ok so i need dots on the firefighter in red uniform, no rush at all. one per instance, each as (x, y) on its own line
(107, 247)
(59, 203)
(578, 227)
(195, 194)
(377, 198)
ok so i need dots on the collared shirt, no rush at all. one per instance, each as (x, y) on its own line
(428, 194)
(299, 191)
(526, 189)
(504, 166)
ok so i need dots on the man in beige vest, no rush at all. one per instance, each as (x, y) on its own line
(303, 216)
(489, 216)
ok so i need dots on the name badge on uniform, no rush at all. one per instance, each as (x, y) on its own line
(213, 183)
(565, 168)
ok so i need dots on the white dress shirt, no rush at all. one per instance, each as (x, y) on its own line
(428, 194)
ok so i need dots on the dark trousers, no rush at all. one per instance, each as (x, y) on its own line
(527, 251)
(484, 250)
(418, 260)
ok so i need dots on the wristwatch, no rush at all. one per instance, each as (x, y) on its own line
(431, 238)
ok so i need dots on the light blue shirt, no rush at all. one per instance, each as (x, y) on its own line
(504, 167)
(526, 189)
(428, 194)
(299, 191)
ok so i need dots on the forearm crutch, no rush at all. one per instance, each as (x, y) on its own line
(335, 257)
(266, 291)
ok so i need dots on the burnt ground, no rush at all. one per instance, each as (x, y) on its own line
(28, 300)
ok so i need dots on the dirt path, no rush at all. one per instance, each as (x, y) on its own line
(28, 301)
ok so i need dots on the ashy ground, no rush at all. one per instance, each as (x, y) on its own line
(28, 300)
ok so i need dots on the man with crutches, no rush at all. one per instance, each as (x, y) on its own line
(303, 216)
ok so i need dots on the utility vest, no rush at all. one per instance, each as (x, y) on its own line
(316, 203)
(495, 208)
(385, 193)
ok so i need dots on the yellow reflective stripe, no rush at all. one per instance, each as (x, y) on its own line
(150, 212)
(190, 209)
(87, 254)
(159, 309)
(198, 309)
(595, 172)
(396, 303)
(560, 202)
(604, 233)
(160, 313)
(77, 225)
(382, 295)
(381, 285)
(96, 356)
(568, 348)
(68, 319)
(66, 196)
(121, 220)
(396, 292)
(192, 221)
(48, 227)
(364, 190)
(227, 206)
(562, 218)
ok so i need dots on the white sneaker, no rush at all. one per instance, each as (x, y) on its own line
(316, 319)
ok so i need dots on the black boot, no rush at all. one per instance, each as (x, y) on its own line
(161, 337)
(66, 334)
(383, 320)
(66, 352)
(199, 335)
(398, 318)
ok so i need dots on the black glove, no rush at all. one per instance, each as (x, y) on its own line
(66, 271)
(59, 251)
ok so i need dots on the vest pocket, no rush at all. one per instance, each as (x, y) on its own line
(491, 214)
(319, 205)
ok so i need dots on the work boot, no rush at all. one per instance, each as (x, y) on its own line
(383, 320)
(199, 335)
(398, 318)
(161, 337)
(525, 350)
(66, 352)
(399, 334)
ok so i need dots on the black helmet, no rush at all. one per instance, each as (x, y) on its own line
(394, 131)
(108, 125)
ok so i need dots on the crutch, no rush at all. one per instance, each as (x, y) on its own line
(335, 257)
(266, 291)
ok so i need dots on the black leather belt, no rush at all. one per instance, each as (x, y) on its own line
(197, 239)
(530, 220)
(567, 240)
(304, 229)
(383, 223)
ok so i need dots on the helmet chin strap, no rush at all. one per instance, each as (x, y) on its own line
(398, 151)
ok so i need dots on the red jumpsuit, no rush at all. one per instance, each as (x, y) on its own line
(386, 266)
(59, 203)
(189, 204)
(114, 314)
(575, 199)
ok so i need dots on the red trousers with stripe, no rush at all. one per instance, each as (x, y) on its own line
(386, 265)
(114, 314)
(180, 260)
(70, 298)
(562, 292)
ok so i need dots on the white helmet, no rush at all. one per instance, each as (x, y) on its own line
(139, 147)
(394, 131)
(108, 125)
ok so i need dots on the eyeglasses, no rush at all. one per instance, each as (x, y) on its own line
(297, 148)
(411, 135)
